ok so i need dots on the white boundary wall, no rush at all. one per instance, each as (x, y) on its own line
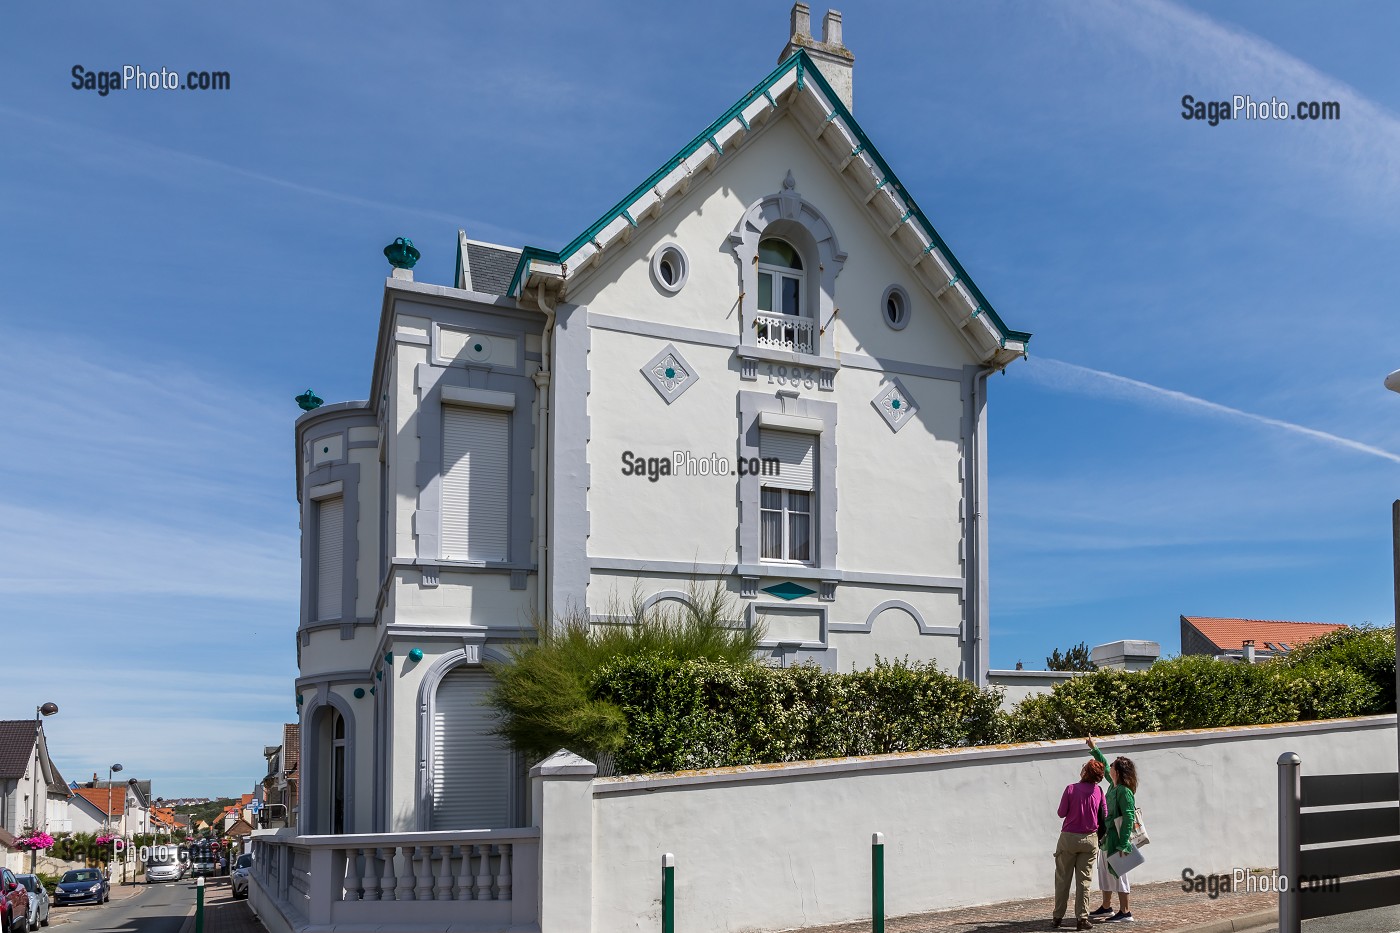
(782, 846)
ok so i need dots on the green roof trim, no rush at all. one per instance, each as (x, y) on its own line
(805, 68)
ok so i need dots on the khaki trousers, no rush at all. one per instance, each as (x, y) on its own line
(1074, 858)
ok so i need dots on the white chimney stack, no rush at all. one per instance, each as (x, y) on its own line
(1249, 651)
(833, 59)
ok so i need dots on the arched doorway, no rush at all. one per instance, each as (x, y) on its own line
(332, 763)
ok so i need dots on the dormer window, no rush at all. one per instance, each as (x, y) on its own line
(783, 321)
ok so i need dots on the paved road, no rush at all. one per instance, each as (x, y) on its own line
(1381, 920)
(156, 908)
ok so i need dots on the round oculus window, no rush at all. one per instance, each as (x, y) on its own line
(669, 267)
(895, 307)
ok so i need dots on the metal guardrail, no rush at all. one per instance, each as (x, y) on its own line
(1338, 843)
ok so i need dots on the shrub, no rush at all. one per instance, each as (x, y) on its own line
(543, 692)
(683, 715)
(1193, 692)
(1366, 650)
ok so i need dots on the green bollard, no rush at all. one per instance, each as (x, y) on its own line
(199, 905)
(877, 883)
(668, 893)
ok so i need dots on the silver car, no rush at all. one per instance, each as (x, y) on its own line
(239, 881)
(38, 900)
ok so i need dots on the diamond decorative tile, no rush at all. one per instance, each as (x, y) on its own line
(669, 374)
(789, 590)
(894, 404)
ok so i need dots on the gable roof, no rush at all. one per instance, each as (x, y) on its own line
(485, 267)
(854, 156)
(1230, 634)
(16, 747)
(97, 796)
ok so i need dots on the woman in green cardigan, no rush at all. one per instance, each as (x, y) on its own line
(1122, 777)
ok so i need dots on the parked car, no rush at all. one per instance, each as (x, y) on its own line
(241, 869)
(82, 884)
(38, 900)
(14, 903)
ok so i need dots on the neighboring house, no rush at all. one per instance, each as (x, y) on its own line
(280, 785)
(1247, 639)
(235, 813)
(88, 808)
(33, 794)
(772, 298)
(129, 804)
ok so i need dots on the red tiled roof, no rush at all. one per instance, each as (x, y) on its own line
(1230, 634)
(291, 745)
(98, 798)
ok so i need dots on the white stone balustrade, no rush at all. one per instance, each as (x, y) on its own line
(478, 879)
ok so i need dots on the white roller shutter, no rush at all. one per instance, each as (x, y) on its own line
(475, 483)
(330, 557)
(796, 455)
(471, 767)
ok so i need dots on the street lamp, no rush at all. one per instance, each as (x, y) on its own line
(108, 825)
(47, 709)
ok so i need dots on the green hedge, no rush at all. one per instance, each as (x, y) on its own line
(1191, 693)
(683, 692)
(683, 715)
(1367, 650)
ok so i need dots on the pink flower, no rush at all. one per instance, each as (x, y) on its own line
(35, 841)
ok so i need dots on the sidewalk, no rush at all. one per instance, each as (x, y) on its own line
(1155, 907)
(223, 914)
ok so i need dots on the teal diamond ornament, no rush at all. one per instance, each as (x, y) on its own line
(789, 590)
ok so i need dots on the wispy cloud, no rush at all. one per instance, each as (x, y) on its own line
(1167, 42)
(1071, 377)
(111, 141)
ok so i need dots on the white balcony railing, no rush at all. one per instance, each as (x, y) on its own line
(786, 332)
(476, 879)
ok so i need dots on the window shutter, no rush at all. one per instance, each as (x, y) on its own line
(796, 455)
(330, 557)
(475, 483)
(471, 767)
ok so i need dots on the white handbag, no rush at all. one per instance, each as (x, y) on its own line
(1140, 838)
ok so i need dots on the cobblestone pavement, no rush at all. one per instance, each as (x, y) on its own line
(1155, 907)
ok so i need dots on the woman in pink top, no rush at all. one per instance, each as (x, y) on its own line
(1082, 809)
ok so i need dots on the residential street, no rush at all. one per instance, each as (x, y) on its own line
(157, 908)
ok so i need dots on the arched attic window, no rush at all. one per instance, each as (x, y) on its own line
(783, 317)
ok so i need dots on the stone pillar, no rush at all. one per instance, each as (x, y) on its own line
(561, 790)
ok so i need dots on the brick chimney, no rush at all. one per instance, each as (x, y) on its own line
(832, 57)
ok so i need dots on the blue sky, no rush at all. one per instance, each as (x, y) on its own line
(1200, 429)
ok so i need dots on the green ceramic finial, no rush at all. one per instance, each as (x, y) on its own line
(401, 253)
(415, 654)
(359, 693)
(309, 401)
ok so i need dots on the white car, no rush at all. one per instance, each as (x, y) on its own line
(238, 881)
(38, 900)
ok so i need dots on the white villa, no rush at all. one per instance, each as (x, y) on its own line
(762, 366)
